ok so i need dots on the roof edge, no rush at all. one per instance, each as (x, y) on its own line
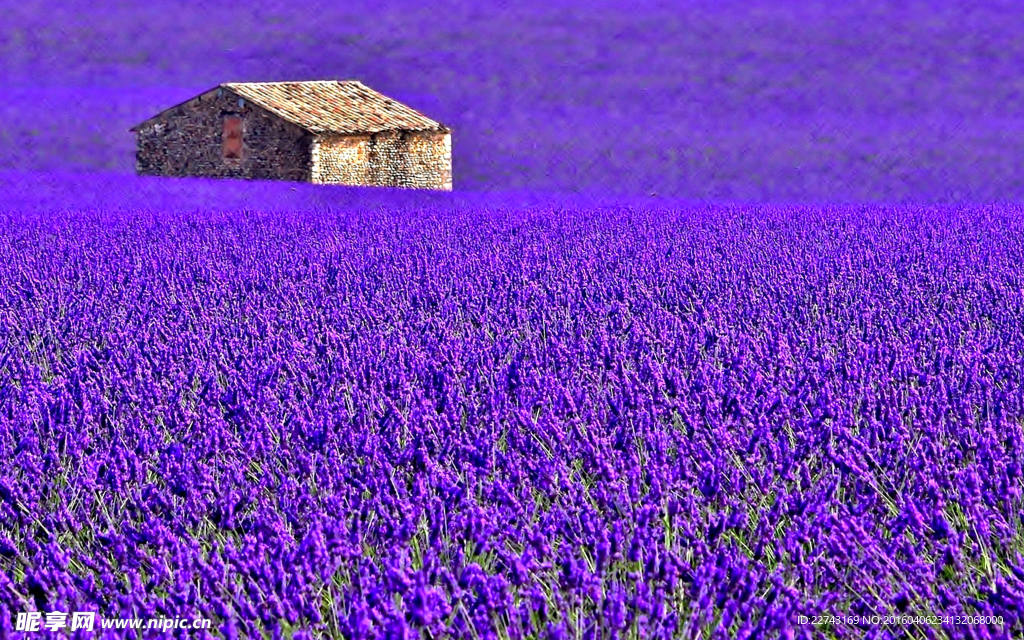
(136, 128)
(341, 134)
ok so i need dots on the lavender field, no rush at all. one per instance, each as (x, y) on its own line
(546, 405)
(486, 422)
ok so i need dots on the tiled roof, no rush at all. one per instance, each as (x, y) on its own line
(329, 106)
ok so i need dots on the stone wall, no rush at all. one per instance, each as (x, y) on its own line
(339, 159)
(187, 141)
(411, 159)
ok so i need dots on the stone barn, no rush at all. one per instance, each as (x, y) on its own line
(326, 132)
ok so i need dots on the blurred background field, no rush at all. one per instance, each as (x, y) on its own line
(742, 101)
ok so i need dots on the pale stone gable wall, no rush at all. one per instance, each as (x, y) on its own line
(410, 159)
(341, 159)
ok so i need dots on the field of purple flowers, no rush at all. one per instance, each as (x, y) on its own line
(312, 412)
(444, 419)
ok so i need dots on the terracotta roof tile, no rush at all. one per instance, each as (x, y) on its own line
(329, 106)
(326, 106)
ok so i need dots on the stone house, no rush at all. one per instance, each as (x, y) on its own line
(326, 132)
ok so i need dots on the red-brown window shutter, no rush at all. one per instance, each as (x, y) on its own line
(232, 137)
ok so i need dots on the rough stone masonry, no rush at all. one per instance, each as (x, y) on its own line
(415, 159)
